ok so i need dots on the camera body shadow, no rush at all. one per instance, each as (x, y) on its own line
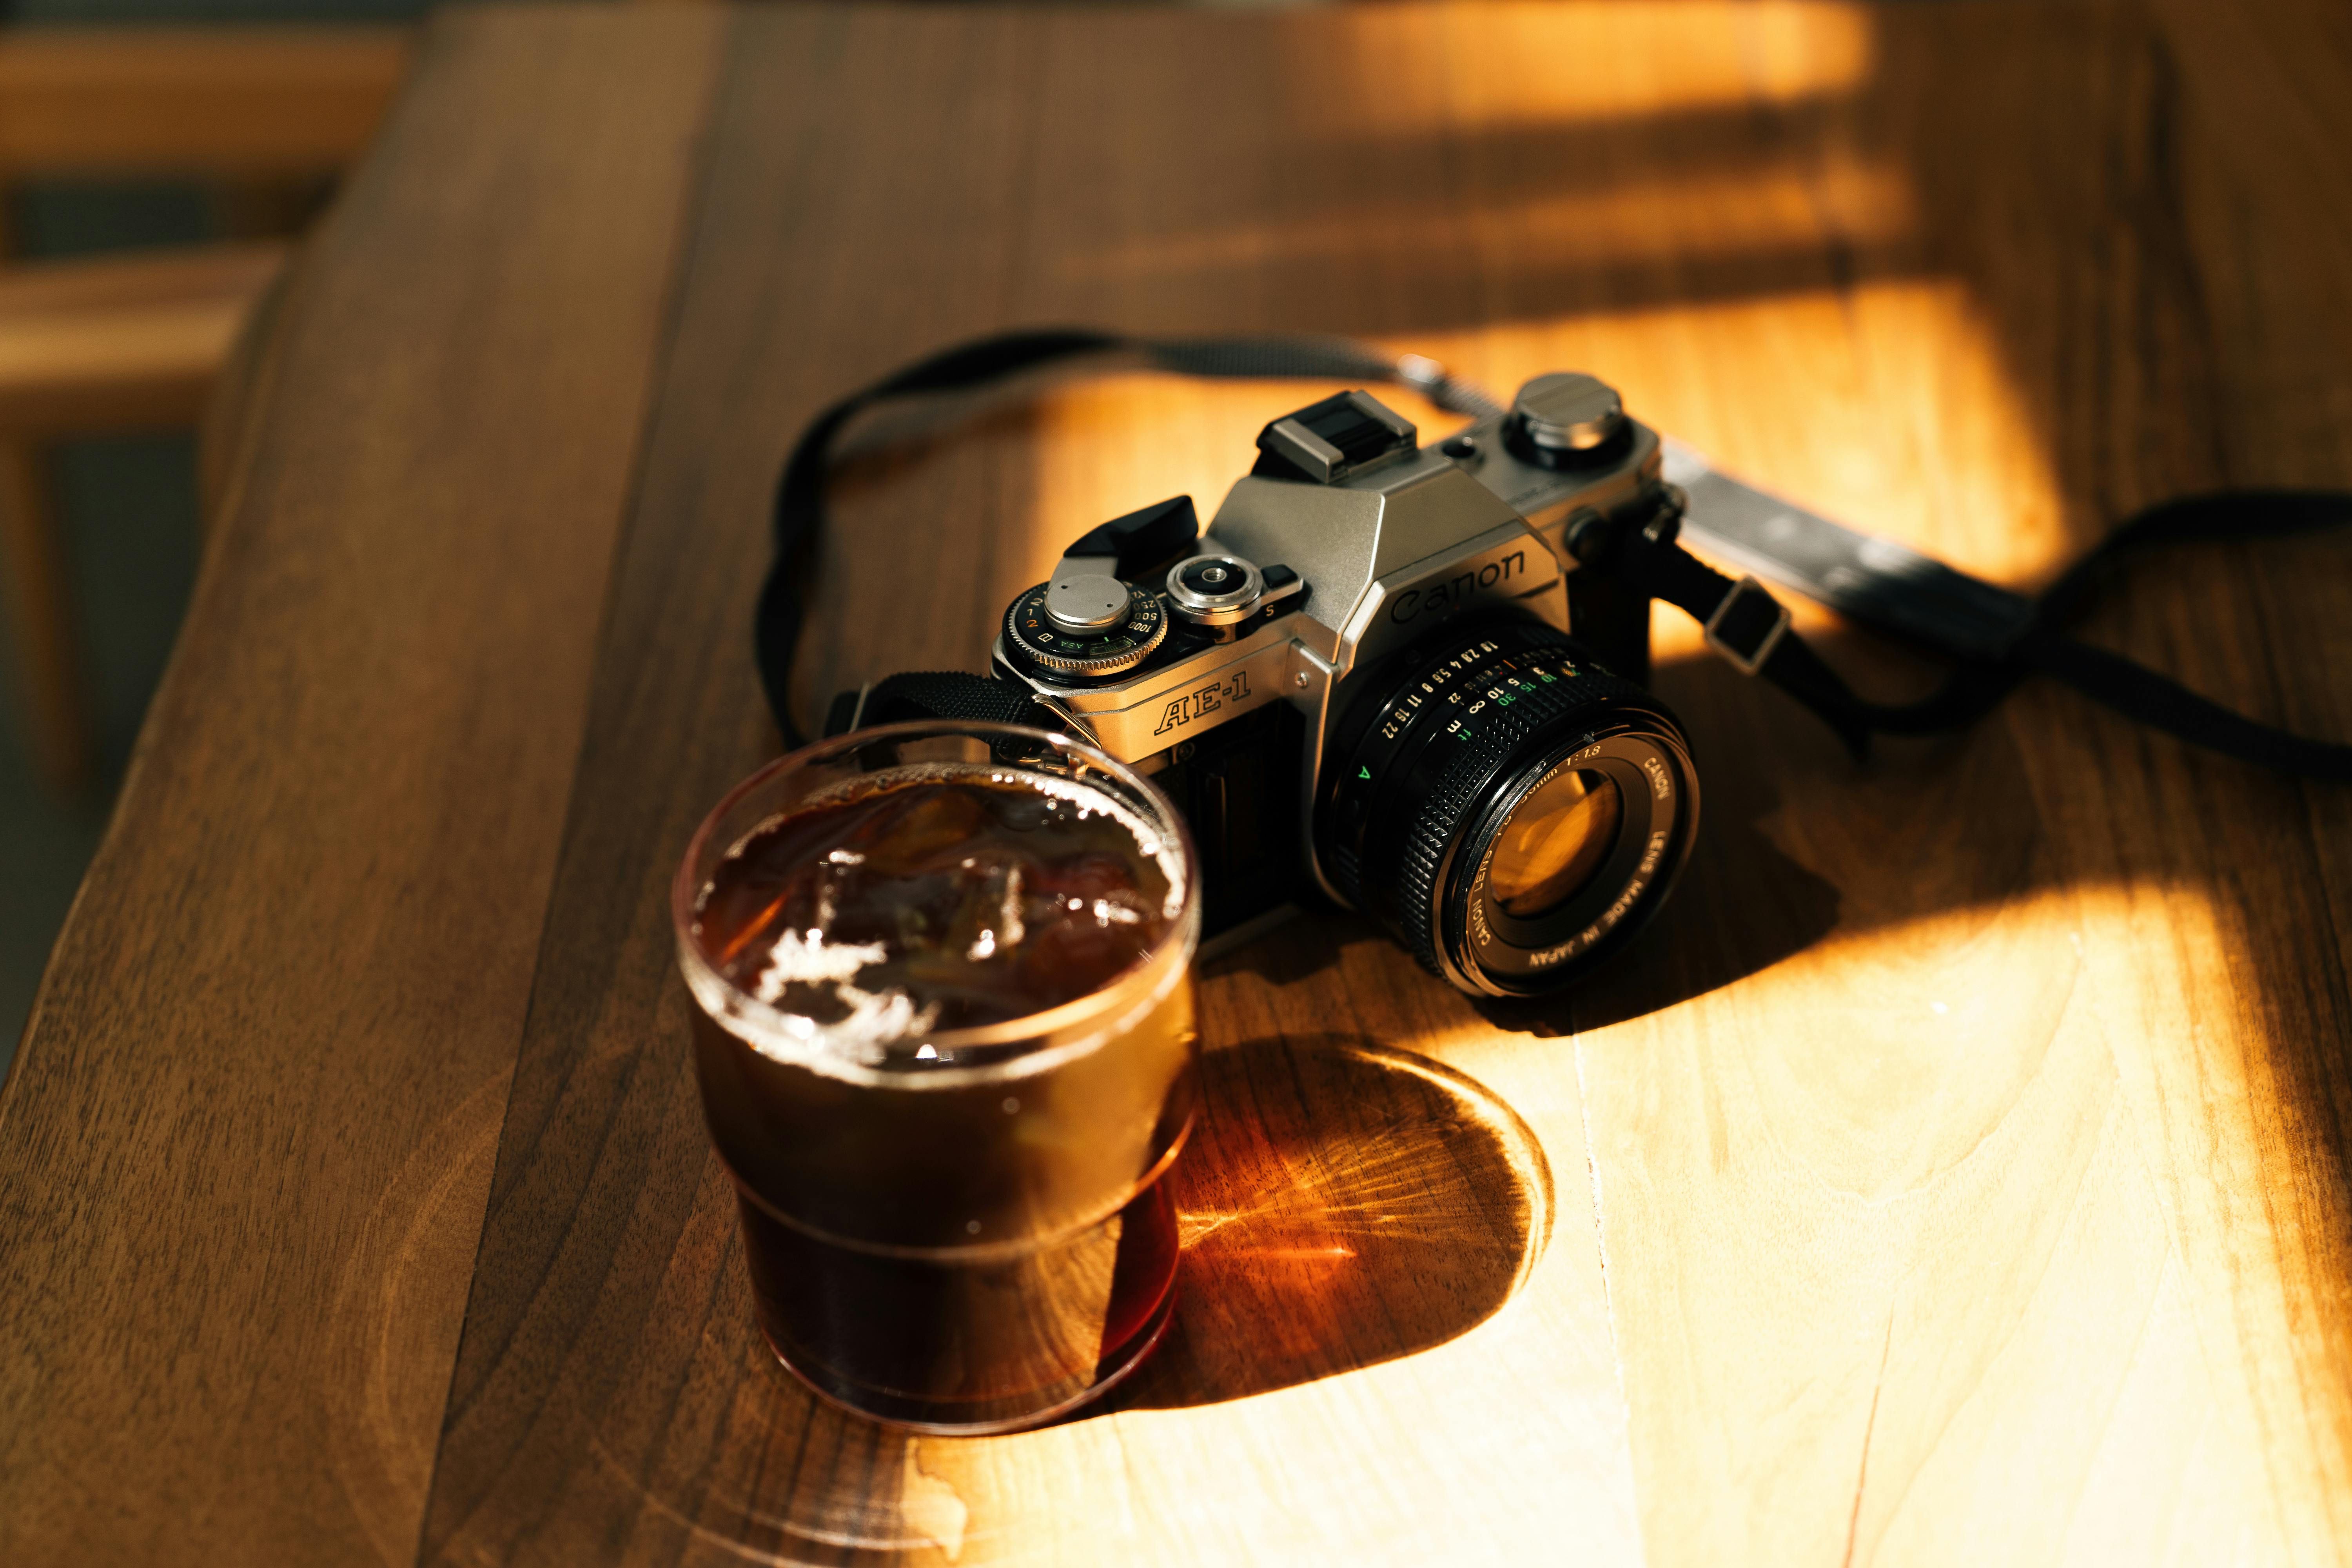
(1741, 906)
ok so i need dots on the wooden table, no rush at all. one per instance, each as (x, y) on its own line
(1960, 1176)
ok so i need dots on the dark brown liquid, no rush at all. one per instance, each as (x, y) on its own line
(982, 901)
(1005, 1340)
(928, 1240)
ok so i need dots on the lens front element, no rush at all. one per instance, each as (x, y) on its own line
(1555, 841)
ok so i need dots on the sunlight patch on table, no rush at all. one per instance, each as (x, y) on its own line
(1615, 60)
(1928, 1281)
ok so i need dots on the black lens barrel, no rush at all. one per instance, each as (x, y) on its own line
(1435, 753)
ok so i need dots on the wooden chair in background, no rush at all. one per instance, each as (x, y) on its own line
(134, 341)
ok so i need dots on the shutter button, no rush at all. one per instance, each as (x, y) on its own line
(1566, 420)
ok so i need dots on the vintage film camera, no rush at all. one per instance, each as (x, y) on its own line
(1386, 674)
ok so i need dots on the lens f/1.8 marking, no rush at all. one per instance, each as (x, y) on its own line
(1608, 877)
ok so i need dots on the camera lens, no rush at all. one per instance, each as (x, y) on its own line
(1510, 810)
(1550, 847)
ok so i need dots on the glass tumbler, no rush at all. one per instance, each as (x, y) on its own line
(960, 1230)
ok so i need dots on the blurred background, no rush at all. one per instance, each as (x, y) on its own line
(158, 159)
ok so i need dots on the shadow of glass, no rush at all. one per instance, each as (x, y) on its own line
(1341, 1204)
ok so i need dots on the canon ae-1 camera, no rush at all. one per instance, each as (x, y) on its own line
(1402, 676)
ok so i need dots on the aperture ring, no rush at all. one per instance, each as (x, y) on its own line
(1390, 725)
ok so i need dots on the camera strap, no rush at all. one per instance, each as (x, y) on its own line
(799, 513)
(1995, 638)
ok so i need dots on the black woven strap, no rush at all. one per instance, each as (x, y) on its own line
(1658, 565)
(931, 694)
(1743, 621)
(799, 517)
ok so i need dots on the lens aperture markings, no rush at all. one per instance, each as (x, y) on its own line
(1509, 690)
(1434, 685)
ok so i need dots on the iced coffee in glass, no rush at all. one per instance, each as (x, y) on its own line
(945, 1040)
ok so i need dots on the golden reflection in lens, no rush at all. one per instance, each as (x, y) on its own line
(1555, 841)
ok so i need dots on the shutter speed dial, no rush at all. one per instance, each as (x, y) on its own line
(1042, 633)
(1085, 603)
(1091, 621)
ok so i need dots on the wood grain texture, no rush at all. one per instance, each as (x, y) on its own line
(1959, 1175)
(245, 1143)
(1901, 1145)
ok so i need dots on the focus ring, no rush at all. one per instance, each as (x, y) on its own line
(1444, 816)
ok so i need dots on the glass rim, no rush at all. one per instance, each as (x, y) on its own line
(686, 887)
